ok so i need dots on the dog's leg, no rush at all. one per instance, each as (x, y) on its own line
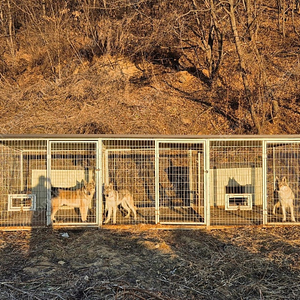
(133, 208)
(55, 207)
(130, 203)
(115, 214)
(83, 212)
(115, 206)
(292, 213)
(277, 205)
(284, 213)
(108, 215)
(134, 212)
(126, 207)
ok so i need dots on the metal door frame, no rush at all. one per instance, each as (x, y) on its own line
(98, 209)
(203, 170)
(265, 171)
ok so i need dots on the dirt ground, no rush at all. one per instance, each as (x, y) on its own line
(143, 263)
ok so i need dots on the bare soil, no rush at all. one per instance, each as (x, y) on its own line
(145, 263)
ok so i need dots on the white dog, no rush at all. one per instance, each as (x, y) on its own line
(114, 198)
(80, 198)
(286, 198)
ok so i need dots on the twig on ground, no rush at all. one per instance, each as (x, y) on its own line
(19, 290)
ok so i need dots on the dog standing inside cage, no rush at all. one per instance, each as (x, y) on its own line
(285, 198)
(115, 198)
(80, 198)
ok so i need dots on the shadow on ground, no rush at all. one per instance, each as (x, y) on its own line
(247, 263)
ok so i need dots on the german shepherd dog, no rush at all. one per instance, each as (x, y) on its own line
(286, 198)
(115, 198)
(80, 198)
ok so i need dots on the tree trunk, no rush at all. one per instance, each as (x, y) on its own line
(10, 29)
(240, 53)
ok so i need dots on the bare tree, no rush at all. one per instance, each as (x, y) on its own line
(282, 11)
(7, 24)
(199, 32)
(242, 63)
(253, 16)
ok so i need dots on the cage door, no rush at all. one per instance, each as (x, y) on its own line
(73, 182)
(282, 181)
(181, 183)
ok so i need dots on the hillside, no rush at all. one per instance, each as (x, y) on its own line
(150, 67)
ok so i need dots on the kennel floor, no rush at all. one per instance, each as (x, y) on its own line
(39, 218)
(146, 215)
(220, 216)
(25, 218)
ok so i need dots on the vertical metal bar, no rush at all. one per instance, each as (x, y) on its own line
(274, 173)
(198, 186)
(48, 182)
(206, 183)
(156, 182)
(106, 167)
(191, 181)
(98, 182)
(264, 182)
(21, 171)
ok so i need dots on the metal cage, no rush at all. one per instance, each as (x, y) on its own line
(22, 201)
(100, 180)
(236, 182)
(71, 167)
(181, 182)
(283, 161)
(129, 165)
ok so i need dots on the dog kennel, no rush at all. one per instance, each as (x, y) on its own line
(174, 180)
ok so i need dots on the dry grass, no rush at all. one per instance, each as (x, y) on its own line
(238, 263)
(146, 68)
(105, 99)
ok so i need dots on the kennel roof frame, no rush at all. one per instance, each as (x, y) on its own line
(155, 136)
(171, 138)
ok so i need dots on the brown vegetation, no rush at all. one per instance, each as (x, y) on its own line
(149, 66)
(248, 263)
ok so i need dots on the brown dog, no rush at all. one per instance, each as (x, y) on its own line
(80, 198)
(114, 198)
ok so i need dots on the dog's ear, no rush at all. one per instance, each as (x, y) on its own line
(277, 178)
(283, 179)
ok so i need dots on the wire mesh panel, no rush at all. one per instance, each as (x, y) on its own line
(53, 180)
(129, 181)
(73, 189)
(283, 170)
(23, 199)
(236, 182)
(181, 182)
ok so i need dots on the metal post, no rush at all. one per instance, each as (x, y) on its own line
(21, 171)
(48, 183)
(105, 165)
(191, 181)
(156, 182)
(264, 182)
(99, 182)
(274, 173)
(198, 188)
(206, 183)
